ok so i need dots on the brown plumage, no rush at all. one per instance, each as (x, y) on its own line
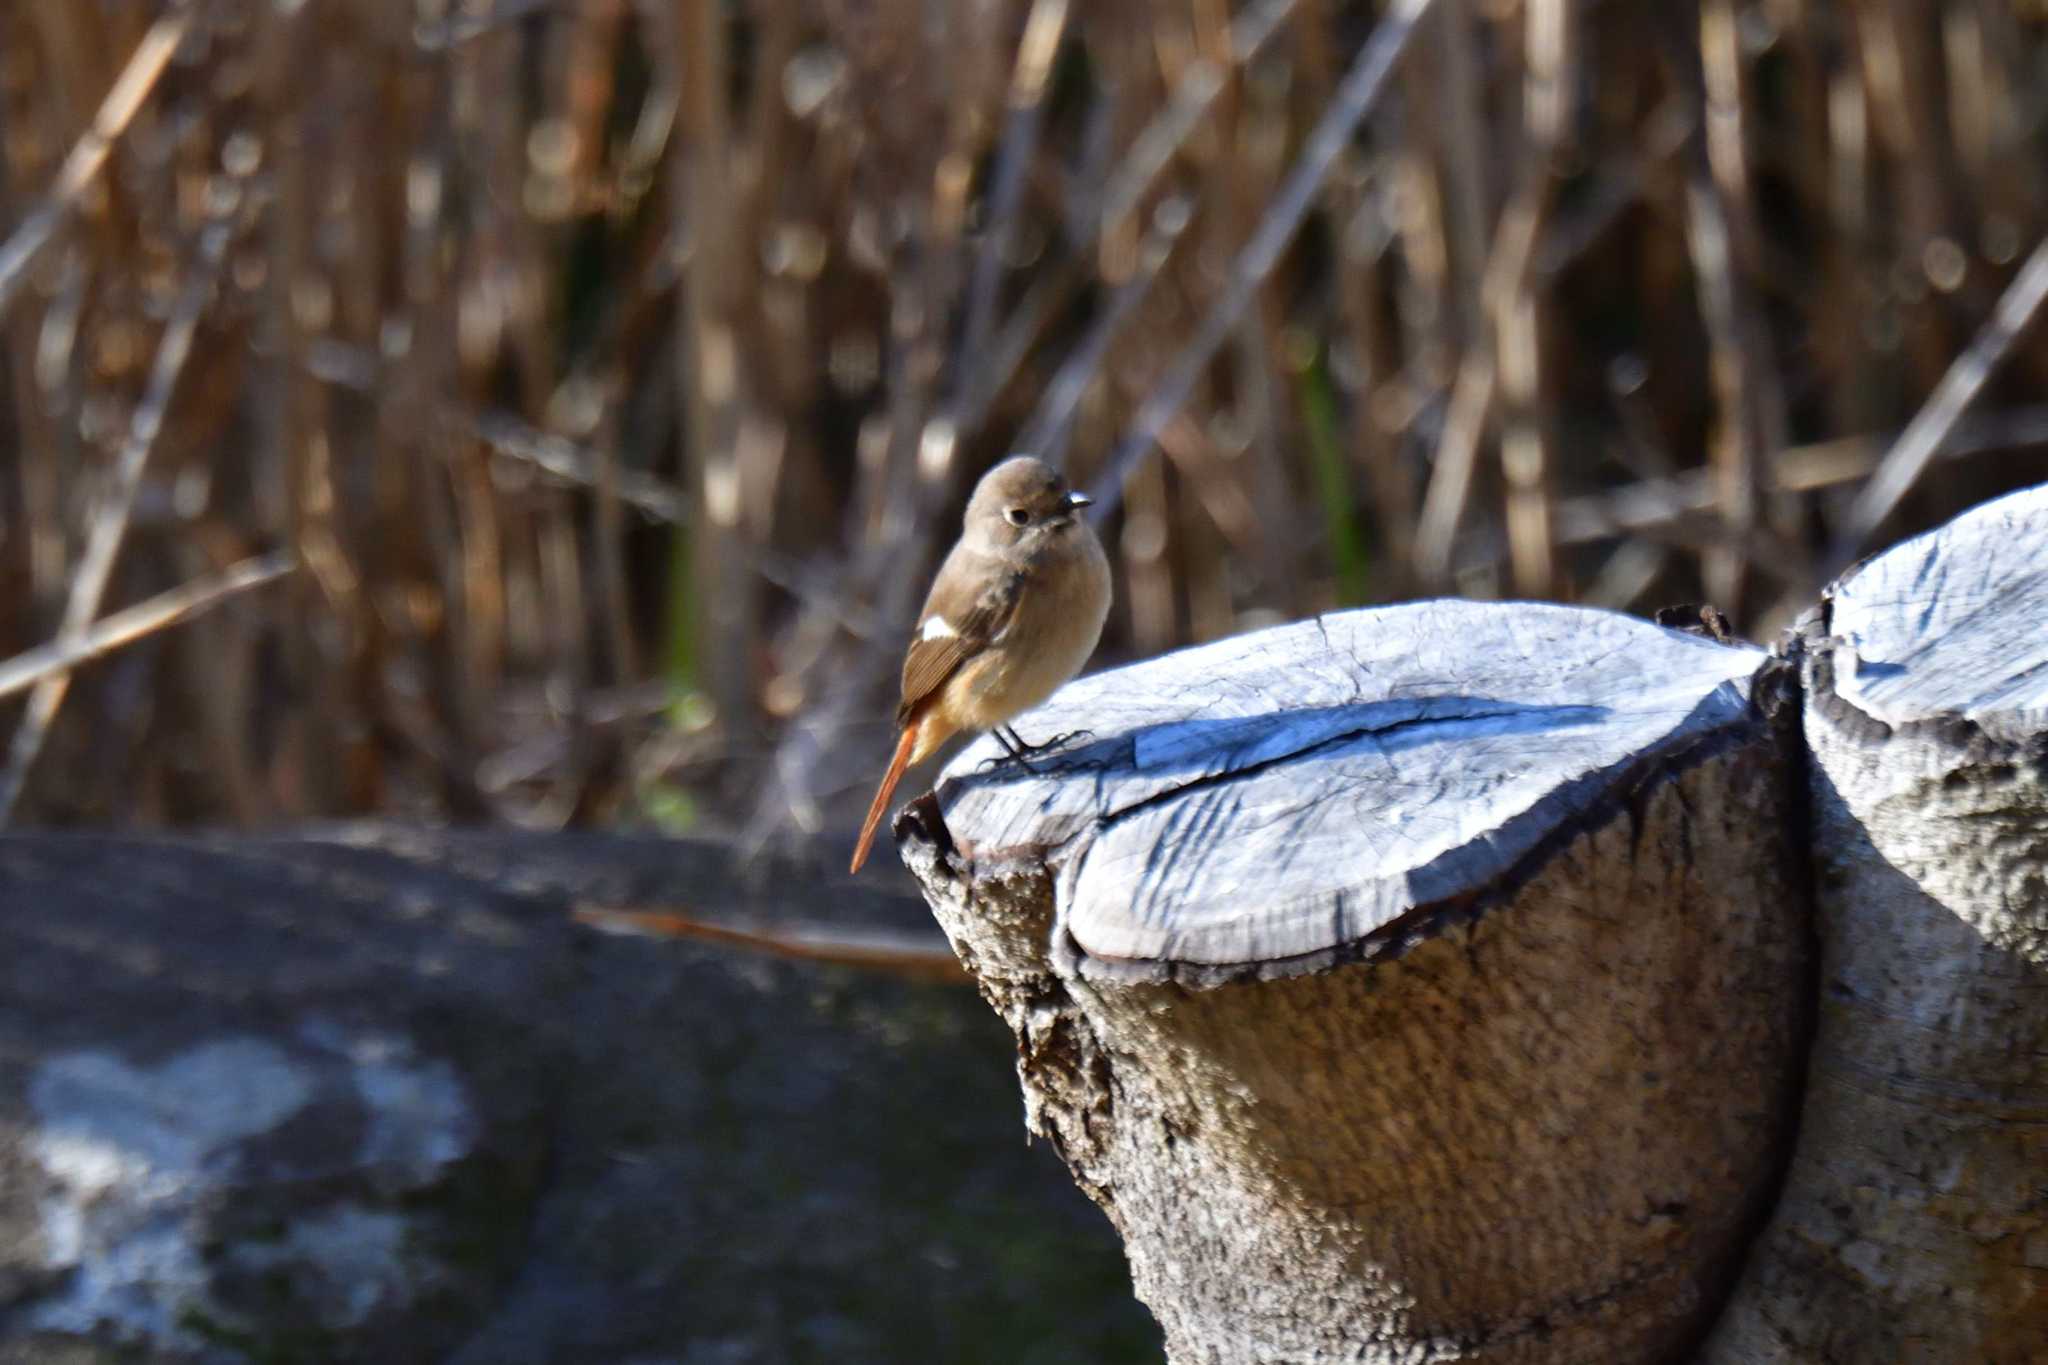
(1015, 611)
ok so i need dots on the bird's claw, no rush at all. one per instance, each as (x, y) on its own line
(1059, 741)
(1016, 751)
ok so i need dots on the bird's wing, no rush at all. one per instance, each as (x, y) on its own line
(957, 625)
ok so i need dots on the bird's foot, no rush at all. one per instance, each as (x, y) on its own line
(1016, 751)
(1053, 745)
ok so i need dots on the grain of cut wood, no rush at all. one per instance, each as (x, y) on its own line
(1298, 793)
(1952, 625)
(1914, 1223)
(1413, 984)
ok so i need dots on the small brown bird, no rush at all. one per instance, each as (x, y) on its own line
(1014, 613)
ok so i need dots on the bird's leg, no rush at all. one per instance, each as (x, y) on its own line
(1014, 751)
(1021, 751)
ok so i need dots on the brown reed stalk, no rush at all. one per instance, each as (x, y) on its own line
(124, 98)
(615, 370)
(114, 513)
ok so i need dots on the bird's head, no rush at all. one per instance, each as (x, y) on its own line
(1022, 499)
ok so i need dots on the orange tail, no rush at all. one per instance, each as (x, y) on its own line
(904, 744)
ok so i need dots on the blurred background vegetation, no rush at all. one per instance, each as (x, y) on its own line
(549, 411)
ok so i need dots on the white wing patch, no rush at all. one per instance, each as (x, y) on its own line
(936, 628)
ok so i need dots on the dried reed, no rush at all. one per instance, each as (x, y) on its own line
(610, 371)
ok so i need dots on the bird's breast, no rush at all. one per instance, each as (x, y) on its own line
(1053, 631)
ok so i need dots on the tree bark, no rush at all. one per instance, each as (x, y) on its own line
(1416, 984)
(1431, 983)
(1914, 1224)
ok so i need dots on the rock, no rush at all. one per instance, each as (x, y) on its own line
(372, 1097)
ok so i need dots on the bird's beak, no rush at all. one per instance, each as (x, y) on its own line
(1076, 501)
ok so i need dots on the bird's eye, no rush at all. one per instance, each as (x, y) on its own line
(1018, 516)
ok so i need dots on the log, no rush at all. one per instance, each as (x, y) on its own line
(1422, 983)
(1914, 1224)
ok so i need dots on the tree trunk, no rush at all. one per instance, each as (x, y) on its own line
(1914, 1225)
(1432, 983)
(1414, 984)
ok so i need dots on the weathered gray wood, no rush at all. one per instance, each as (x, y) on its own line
(1412, 984)
(1293, 795)
(1914, 1223)
(1949, 626)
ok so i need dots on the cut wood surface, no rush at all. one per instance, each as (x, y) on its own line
(1914, 1223)
(1297, 793)
(1423, 983)
(1952, 625)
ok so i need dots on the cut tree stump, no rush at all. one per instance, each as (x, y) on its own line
(1412, 984)
(1914, 1224)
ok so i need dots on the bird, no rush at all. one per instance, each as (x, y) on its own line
(1014, 613)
